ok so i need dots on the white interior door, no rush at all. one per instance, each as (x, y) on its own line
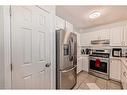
(30, 48)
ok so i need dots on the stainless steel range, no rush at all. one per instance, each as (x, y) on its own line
(99, 63)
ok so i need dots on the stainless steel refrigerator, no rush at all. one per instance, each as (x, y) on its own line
(66, 57)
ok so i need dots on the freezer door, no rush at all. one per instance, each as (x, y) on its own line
(68, 78)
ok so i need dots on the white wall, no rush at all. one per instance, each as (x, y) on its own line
(5, 49)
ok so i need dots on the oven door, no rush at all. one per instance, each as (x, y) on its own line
(102, 68)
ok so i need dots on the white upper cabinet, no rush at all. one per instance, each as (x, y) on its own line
(104, 34)
(69, 27)
(116, 36)
(100, 34)
(92, 36)
(60, 23)
(85, 39)
(125, 36)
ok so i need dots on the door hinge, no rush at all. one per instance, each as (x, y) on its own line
(11, 67)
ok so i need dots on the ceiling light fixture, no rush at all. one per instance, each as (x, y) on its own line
(94, 15)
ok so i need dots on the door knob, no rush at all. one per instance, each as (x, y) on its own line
(48, 65)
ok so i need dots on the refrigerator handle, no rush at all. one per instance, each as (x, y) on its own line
(70, 52)
(65, 71)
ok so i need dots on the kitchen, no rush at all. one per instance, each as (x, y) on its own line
(105, 38)
(92, 39)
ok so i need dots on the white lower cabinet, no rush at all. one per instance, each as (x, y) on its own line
(124, 76)
(79, 64)
(115, 69)
(85, 63)
(82, 63)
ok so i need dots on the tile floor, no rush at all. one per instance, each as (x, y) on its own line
(86, 81)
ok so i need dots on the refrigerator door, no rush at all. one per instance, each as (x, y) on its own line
(68, 78)
(66, 52)
(66, 44)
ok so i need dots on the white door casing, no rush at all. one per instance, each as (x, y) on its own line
(30, 48)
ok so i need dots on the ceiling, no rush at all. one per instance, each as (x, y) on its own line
(79, 15)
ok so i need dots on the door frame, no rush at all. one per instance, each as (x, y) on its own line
(7, 46)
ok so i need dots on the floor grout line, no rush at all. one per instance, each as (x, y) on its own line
(96, 80)
(81, 83)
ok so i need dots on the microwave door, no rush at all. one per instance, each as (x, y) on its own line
(116, 53)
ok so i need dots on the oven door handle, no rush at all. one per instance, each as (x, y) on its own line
(94, 58)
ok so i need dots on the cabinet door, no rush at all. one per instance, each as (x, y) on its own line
(125, 35)
(124, 76)
(85, 63)
(100, 34)
(79, 64)
(116, 36)
(104, 34)
(85, 39)
(60, 23)
(115, 69)
(69, 27)
(93, 35)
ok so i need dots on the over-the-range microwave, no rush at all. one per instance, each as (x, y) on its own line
(116, 52)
